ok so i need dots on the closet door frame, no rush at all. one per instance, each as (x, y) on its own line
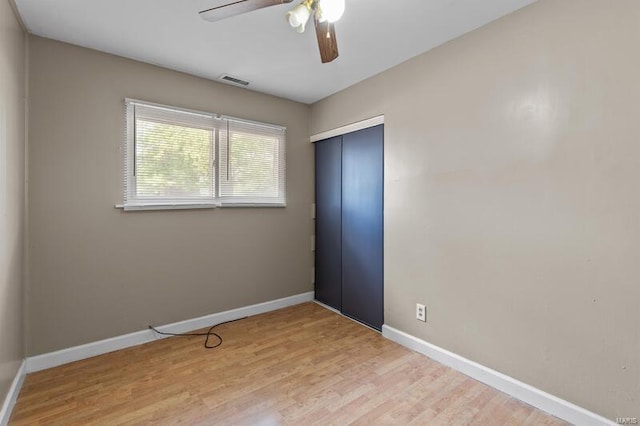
(339, 132)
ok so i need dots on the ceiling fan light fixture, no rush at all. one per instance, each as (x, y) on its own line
(332, 10)
(299, 15)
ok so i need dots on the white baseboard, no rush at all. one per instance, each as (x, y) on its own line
(517, 389)
(76, 353)
(12, 395)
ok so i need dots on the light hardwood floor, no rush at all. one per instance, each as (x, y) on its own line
(301, 365)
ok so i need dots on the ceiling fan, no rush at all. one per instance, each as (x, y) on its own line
(323, 12)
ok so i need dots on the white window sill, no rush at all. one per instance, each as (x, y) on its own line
(185, 206)
(238, 205)
(188, 206)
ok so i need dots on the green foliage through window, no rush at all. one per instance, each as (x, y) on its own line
(252, 167)
(173, 160)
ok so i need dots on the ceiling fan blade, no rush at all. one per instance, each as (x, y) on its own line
(326, 34)
(225, 9)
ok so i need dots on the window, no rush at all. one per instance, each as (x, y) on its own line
(177, 158)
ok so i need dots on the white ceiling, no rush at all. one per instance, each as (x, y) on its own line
(373, 35)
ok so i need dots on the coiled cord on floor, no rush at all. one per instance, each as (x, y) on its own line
(209, 333)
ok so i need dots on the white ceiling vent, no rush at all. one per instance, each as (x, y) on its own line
(233, 80)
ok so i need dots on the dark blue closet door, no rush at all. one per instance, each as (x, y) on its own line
(328, 268)
(362, 224)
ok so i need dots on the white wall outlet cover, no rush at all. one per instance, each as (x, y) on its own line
(421, 312)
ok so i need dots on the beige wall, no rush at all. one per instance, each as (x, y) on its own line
(96, 271)
(512, 196)
(12, 169)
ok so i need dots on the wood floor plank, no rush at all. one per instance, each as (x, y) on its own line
(301, 365)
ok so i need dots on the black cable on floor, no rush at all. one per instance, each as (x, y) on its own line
(209, 333)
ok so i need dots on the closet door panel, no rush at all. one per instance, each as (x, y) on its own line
(362, 225)
(328, 268)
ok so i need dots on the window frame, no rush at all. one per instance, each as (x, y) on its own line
(131, 202)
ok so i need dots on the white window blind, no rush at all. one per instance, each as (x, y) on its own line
(252, 156)
(182, 158)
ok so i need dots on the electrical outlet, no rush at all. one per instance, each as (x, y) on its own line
(421, 312)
